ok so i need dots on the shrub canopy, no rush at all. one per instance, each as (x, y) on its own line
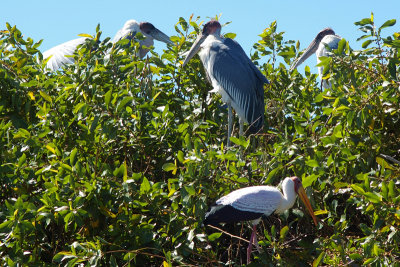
(115, 160)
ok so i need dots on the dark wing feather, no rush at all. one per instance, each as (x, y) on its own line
(241, 80)
(228, 214)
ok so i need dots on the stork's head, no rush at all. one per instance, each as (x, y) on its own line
(312, 47)
(298, 188)
(131, 26)
(149, 31)
(212, 27)
(325, 32)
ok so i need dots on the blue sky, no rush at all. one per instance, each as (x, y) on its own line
(60, 21)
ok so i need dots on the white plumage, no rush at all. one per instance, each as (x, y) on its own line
(61, 54)
(260, 199)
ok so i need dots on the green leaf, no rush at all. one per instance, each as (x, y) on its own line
(107, 97)
(366, 43)
(22, 160)
(123, 102)
(80, 108)
(180, 157)
(66, 167)
(240, 141)
(318, 260)
(46, 96)
(145, 186)
(72, 157)
(63, 255)
(356, 257)
(384, 190)
(5, 225)
(341, 45)
(384, 163)
(392, 190)
(388, 23)
(312, 163)
(373, 197)
(230, 35)
(309, 180)
(214, 236)
(284, 232)
(357, 189)
(169, 167)
(298, 127)
(369, 261)
(86, 35)
(363, 22)
(190, 190)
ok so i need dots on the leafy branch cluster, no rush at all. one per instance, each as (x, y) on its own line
(114, 160)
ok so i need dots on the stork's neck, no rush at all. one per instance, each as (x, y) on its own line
(331, 40)
(288, 199)
(214, 36)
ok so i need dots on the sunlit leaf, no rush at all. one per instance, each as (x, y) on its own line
(388, 23)
(214, 236)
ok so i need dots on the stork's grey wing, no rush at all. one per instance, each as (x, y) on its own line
(241, 80)
(258, 199)
(58, 53)
(122, 33)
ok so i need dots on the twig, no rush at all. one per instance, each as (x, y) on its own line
(234, 236)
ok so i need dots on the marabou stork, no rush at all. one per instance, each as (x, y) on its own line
(251, 203)
(129, 30)
(233, 75)
(324, 38)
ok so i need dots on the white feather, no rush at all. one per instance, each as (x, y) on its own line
(261, 199)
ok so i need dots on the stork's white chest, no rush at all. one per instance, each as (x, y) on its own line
(332, 41)
(205, 57)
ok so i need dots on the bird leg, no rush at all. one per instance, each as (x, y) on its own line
(249, 248)
(255, 241)
(241, 126)
(230, 123)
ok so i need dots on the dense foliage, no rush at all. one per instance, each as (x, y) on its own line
(115, 160)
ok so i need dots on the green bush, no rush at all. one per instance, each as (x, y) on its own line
(114, 160)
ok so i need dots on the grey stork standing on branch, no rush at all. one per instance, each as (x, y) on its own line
(60, 53)
(326, 37)
(233, 75)
(251, 203)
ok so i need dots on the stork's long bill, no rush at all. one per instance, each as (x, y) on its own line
(302, 194)
(312, 47)
(195, 48)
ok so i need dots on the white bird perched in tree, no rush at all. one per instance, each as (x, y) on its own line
(60, 53)
(324, 38)
(233, 75)
(251, 203)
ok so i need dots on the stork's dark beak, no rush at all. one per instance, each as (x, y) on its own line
(311, 49)
(306, 201)
(160, 36)
(195, 48)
